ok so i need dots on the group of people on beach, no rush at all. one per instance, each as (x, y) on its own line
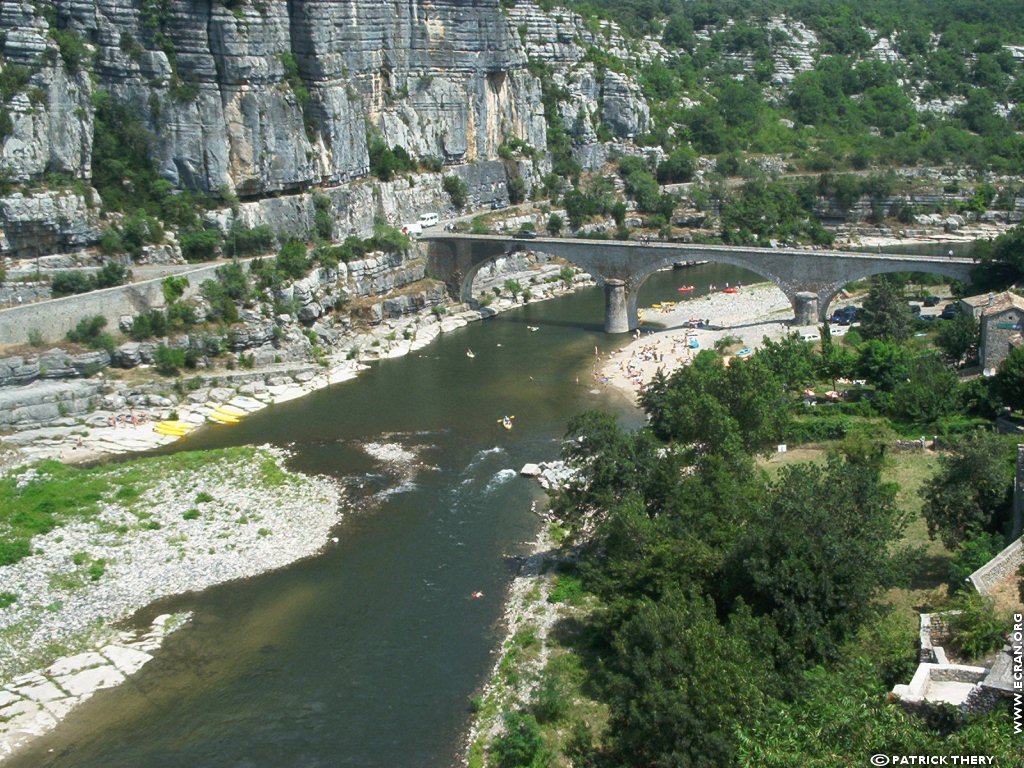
(125, 419)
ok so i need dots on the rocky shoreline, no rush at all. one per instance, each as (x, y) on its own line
(82, 415)
(527, 611)
(183, 525)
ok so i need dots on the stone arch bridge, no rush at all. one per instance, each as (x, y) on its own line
(811, 279)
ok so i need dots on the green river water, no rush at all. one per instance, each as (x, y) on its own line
(367, 654)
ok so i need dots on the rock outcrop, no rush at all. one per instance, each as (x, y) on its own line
(264, 97)
(46, 222)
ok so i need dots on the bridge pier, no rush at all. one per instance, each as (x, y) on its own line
(616, 307)
(805, 308)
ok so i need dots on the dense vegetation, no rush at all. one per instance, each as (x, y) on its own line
(732, 616)
(723, 89)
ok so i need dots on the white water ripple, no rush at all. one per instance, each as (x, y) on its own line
(499, 479)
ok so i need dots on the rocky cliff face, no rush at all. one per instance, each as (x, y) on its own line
(266, 96)
(563, 39)
(278, 100)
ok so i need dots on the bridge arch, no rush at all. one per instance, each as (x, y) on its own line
(827, 293)
(809, 279)
(641, 276)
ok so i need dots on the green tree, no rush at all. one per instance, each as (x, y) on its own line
(611, 464)
(322, 220)
(521, 745)
(886, 314)
(679, 685)
(222, 306)
(970, 493)
(931, 392)
(200, 244)
(112, 273)
(457, 191)
(516, 189)
(958, 339)
(89, 332)
(292, 260)
(71, 283)
(169, 359)
(555, 225)
(680, 165)
(718, 409)
(817, 553)
(791, 359)
(883, 363)
(1010, 379)
(174, 288)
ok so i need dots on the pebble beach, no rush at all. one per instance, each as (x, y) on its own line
(667, 334)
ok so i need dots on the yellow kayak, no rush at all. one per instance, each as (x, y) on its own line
(221, 418)
(230, 410)
(174, 428)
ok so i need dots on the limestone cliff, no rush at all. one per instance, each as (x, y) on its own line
(266, 96)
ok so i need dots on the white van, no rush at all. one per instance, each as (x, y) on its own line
(412, 229)
(429, 219)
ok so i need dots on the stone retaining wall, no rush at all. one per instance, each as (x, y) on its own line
(54, 318)
(998, 568)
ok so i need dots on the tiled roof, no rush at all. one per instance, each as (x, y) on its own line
(1000, 302)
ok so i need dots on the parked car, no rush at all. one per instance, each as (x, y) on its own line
(931, 301)
(949, 312)
(915, 309)
(525, 234)
(845, 316)
(498, 204)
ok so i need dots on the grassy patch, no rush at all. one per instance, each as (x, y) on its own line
(67, 582)
(775, 461)
(567, 589)
(56, 494)
(910, 470)
(271, 474)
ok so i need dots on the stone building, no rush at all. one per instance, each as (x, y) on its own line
(1000, 316)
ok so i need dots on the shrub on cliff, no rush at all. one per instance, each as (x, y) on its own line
(70, 283)
(387, 162)
(169, 360)
(89, 332)
(456, 190)
(199, 244)
(248, 241)
(292, 261)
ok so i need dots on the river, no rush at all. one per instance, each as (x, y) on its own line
(367, 654)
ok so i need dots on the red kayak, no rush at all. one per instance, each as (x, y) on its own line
(730, 290)
(685, 289)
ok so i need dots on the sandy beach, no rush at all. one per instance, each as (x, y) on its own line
(751, 314)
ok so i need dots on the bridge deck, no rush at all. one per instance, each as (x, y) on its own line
(695, 248)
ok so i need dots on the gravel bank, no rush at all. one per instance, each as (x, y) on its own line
(189, 529)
